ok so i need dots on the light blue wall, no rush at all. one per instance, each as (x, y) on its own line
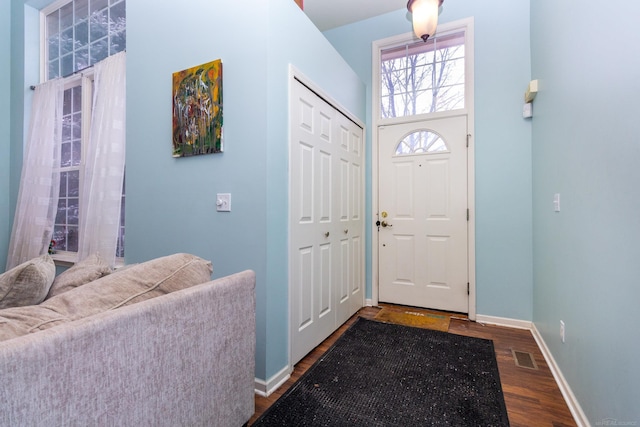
(22, 64)
(171, 202)
(502, 141)
(18, 96)
(5, 127)
(586, 147)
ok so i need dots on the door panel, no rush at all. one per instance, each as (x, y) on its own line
(345, 262)
(311, 192)
(304, 302)
(350, 224)
(305, 189)
(423, 257)
(325, 303)
(357, 279)
(326, 222)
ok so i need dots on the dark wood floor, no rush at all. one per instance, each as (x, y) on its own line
(532, 396)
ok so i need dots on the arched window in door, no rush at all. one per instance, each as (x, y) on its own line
(421, 142)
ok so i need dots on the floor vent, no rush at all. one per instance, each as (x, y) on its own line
(524, 359)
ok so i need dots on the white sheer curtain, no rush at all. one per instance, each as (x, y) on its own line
(103, 175)
(40, 180)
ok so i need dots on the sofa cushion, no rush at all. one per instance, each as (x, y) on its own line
(89, 269)
(18, 321)
(27, 283)
(135, 284)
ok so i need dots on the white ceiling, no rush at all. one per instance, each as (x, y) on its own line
(327, 14)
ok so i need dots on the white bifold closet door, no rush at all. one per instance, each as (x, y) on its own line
(326, 253)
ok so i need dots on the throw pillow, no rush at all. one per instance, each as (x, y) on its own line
(135, 284)
(27, 283)
(89, 269)
(140, 282)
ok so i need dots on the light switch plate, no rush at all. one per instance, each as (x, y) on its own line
(556, 202)
(223, 202)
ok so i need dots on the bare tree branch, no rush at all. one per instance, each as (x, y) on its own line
(423, 83)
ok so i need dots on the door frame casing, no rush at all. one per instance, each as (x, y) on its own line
(378, 45)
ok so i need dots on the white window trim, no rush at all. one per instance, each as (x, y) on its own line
(54, 6)
(85, 80)
(43, 35)
(467, 25)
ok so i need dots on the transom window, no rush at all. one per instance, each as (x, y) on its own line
(83, 32)
(421, 142)
(421, 78)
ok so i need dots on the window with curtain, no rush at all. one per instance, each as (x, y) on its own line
(78, 116)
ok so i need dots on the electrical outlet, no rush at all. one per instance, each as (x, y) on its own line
(562, 330)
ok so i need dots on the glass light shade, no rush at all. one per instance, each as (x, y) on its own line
(425, 17)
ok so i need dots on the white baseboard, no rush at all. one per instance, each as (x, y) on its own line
(368, 302)
(265, 388)
(578, 415)
(504, 321)
(575, 408)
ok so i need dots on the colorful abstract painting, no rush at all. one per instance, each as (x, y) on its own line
(197, 110)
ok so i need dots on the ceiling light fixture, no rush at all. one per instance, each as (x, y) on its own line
(425, 17)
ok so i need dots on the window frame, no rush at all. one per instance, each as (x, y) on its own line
(465, 25)
(85, 81)
(427, 149)
(83, 78)
(416, 60)
(44, 45)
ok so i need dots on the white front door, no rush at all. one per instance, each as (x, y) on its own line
(326, 252)
(423, 259)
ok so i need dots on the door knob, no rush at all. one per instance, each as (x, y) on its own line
(386, 224)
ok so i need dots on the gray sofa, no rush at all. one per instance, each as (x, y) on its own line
(185, 358)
